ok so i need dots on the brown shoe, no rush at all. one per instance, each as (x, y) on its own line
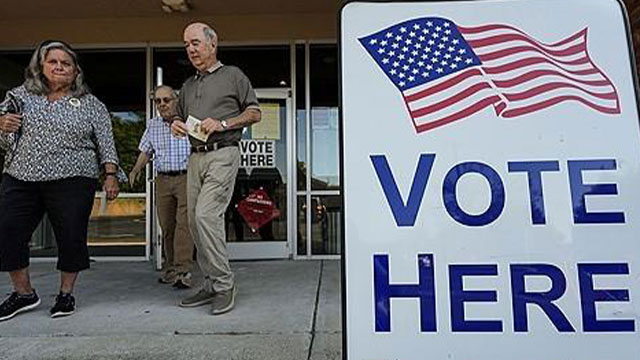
(223, 301)
(168, 277)
(202, 297)
(183, 281)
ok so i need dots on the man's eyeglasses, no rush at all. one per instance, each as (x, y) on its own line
(165, 100)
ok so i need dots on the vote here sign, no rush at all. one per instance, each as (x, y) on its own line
(491, 171)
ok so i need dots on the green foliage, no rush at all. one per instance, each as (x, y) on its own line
(127, 136)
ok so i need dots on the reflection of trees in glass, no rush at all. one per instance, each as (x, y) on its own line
(316, 183)
(127, 135)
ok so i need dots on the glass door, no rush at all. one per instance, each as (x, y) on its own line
(258, 219)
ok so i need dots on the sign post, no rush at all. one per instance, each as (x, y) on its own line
(491, 173)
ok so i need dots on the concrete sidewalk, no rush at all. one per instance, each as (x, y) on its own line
(284, 310)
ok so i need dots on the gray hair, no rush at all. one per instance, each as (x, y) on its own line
(35, 80)
(174, 93)
(210, 34)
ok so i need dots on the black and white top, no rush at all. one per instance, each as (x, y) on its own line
(59, 139)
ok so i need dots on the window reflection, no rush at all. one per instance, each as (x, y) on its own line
(301, 119)
(324, 151)
(118, 227)
(324, 117)
(301, 149)
(301, 237)
(325, 225)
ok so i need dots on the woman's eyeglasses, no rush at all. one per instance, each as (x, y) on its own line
(165, 100)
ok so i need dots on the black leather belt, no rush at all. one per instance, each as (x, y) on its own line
(213, 146)
(172, 173)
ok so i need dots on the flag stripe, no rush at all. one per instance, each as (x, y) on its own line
(520, 49)
(468, 111)
(535, 61)
(465, 103)
(521, 41)
(445, 93)
(430, 89)
(501, 39)
(514, 73)
(487, 28)
(560, 92)
(504, 38)
(450, 100)
(549, 86)
(550, 102)
(536, 74)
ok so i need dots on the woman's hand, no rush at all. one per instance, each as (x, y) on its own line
(111, 187)
(10, 123)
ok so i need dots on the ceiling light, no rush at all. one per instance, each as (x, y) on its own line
(170, 6)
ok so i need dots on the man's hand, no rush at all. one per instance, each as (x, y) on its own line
(178, 129)
(210, 125)
(111, 187)
(133, 176)
(10, 123)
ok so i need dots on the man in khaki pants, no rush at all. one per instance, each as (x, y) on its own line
(170, 156)
(222, 98)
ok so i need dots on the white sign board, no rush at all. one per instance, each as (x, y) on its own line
(257, 154)
(491, 168)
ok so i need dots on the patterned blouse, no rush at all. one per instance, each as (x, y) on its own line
(59, 139)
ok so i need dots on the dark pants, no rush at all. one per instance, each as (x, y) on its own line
(67, 202)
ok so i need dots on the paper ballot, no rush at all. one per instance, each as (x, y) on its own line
(194, 129)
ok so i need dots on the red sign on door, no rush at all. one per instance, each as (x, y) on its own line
(257, 209)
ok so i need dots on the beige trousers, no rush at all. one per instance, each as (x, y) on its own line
(212, 176)
(171, 203)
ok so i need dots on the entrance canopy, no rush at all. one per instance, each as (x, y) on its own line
(134, 21)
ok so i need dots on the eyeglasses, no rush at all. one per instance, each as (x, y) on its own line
(165, 100)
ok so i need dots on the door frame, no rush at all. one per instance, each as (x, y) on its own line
(275, 249)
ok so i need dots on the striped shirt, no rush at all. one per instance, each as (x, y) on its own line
(168, 152)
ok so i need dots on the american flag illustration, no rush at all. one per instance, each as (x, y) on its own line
(447, 72)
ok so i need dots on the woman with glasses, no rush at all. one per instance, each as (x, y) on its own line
(58, 144)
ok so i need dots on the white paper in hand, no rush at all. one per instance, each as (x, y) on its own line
(194, 129)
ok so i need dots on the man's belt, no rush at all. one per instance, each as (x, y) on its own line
(213, 146)
(172, 173)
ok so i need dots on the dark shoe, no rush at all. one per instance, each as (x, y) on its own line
(183, 281)
(203, 297)
(65, 305)
(223, 301)
(168, 277)
(16, 303)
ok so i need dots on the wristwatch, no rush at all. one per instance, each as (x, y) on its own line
(224, 124)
